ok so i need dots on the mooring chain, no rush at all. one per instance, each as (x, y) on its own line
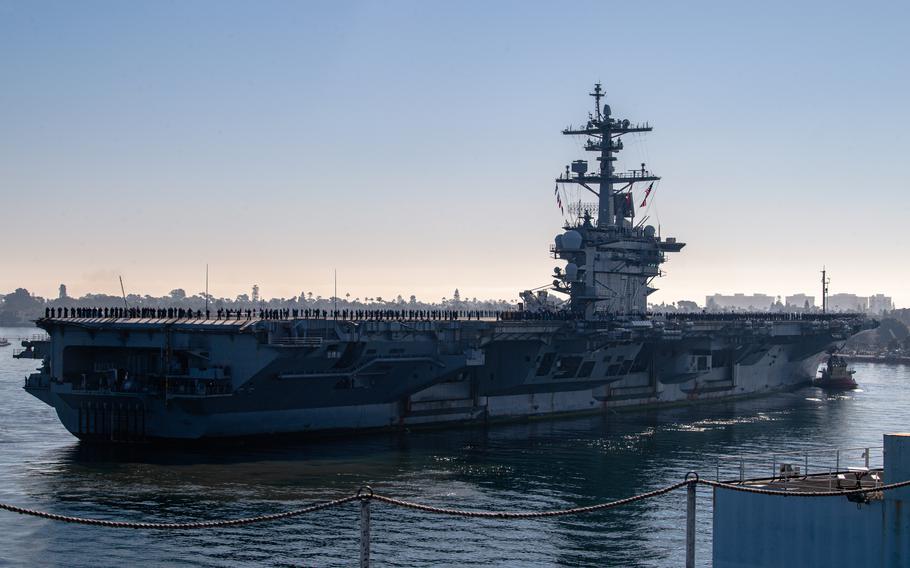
(178, 526)
(528, 514)
(359, 496)
(366, 494)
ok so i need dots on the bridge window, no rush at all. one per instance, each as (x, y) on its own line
(586, 368)
(545, 364)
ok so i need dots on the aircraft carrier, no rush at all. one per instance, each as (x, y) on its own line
(137, 374)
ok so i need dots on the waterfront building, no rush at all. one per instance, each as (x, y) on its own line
(847, 303)
(800, 301)
(687, 306)
(879, 304)
(739, 302)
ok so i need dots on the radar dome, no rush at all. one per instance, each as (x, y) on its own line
(649, 231)
(571, 272)
(607, 110)
(571, 240)
(558, 242)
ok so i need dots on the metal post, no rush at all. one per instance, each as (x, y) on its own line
(365, 494)
(690, 518)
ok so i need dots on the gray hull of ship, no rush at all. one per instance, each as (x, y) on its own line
(391, 377)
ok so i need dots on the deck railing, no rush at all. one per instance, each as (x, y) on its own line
(830, 461)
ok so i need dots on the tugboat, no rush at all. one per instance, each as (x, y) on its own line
(835, 375)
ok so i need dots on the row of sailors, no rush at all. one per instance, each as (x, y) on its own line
(763, 316)
(286, 313)
(405, 315)
(66, 312)
(408, 315)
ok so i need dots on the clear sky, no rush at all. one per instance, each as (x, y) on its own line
(412, 145)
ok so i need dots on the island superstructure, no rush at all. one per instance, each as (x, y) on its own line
(611, 262)
(141, 374)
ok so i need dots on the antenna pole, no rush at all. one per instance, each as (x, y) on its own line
(825, 283)
(335, 297)
(123, 291)
(603, 132)
(206, 290)
(606, 211)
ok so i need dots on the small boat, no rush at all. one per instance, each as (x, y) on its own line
(835, 375)
(4, 342)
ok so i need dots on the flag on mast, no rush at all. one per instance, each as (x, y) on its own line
(558, 199)
(647, 193)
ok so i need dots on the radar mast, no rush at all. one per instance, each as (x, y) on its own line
(603, 132)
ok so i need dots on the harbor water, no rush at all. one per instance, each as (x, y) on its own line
(529, 466)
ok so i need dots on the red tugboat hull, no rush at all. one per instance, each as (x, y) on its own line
(836, 384)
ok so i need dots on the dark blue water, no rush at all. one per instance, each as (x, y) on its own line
(542, 465)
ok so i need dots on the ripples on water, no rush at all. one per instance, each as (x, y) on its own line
(541, 465)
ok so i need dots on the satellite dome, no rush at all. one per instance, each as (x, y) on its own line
(607, 110)
(571, 272)
(649, 231)
(558, 242)
(571, 240)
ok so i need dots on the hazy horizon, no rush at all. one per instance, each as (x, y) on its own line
(364, 294)
(412, 146)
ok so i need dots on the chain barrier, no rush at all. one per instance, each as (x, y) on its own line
(179, 526)
(367, 494)
(529, 514)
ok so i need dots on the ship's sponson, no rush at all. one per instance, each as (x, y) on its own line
(147, 378)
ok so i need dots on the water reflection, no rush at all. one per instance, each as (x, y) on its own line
(536, 465)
